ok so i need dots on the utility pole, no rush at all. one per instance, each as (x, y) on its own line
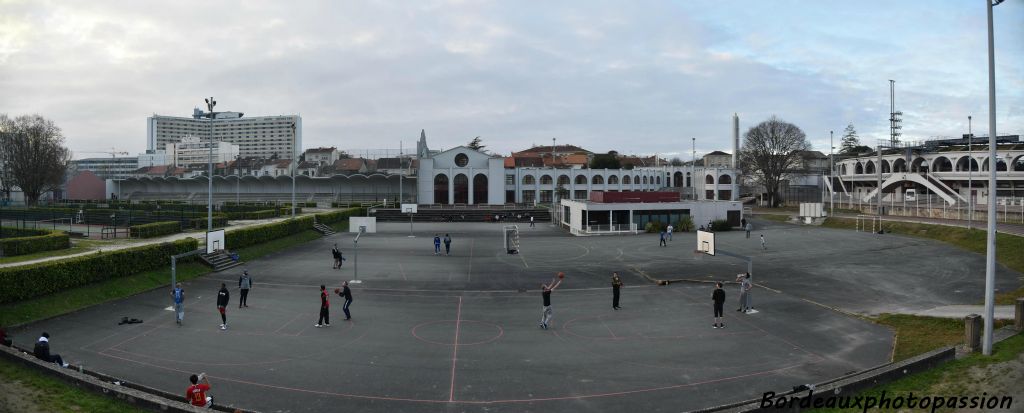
(210, 103)
(970, 177)
(990, 248)
(831, 174)
(295, 160)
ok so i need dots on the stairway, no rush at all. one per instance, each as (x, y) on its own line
(323, 229)
(219, 261)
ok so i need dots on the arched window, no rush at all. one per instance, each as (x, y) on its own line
(677, 179)
(899, 165)
(627, 180)
(858, 169)
(597, 180)
(581, 180)
(658, 179)
(563, 180)
(529, 180)
(919, 165)
(1000, 165)
(461, 189)
(645, 179)
(709, 180)
(688, 180)
(869, 168)
(545, 180)
(842, 169)
(480, 189)
(1018, 164)
(885, 166)
(942, 164)
(613, 180)
(725, 179)
(441, 189)
(636, 179)
(962, 164)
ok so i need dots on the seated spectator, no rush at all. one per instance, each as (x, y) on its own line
(42, 351)
(4, 340)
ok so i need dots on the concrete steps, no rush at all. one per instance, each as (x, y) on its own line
(324, 229)
(219, 261)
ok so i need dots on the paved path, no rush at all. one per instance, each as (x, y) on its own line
(201, 236)
(1004, 312)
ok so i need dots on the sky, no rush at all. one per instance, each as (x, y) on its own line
(639, 77)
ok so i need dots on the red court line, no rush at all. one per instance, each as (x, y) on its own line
(289, 322)
(455, 349)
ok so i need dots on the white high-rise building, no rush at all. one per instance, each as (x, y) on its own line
(259, 137)
(192, 151)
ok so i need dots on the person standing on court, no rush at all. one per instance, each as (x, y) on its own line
(437, 244)
(743, 292)
(178, 295)
(748, 285)
(670, 228)
(244, 284)
(447, 244)
(325, 305)
(546, 290)
(222, 305)
(718, 298)
(337, 256)
(531, 221)
(345, 293)
(764, 246)
(616, 285)
(748, 227)
(662, 243)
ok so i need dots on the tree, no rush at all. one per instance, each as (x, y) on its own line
(771, 150)
(32, 150)
(608, 160)
(676, 162)
(850, 141)
(476, 145)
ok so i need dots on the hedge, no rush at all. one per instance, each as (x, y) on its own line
(263, 214)
(48, 241)
(219, 221)
(244, 237)
(336, 216)
(34, 280)
(11, 232)
(720, 225)
(155, 229)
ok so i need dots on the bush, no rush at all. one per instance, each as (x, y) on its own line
(309, 204)
(155, 229)
(685, 223)
(263, 214)
(9, 232)
(244, 237)
(720, 225)
(33, 241)
(337, 216)
(219, 221)
(287, 211)
(653, 226)
(34, 280)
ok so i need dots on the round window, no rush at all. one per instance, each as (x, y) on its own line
(461, 160)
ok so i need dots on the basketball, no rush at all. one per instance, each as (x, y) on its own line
(561, 275)
(337, 291)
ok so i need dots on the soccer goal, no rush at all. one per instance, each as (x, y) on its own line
(510, 233)
(865, 221)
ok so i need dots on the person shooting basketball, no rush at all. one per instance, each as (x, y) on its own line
(546, 290)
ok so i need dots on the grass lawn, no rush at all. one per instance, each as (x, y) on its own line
(1008, 247)
(956, 378)
(30, 390)
(916, 335)
(44, 254)
(773, 217)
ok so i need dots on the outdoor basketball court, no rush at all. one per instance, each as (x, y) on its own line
(459, 333)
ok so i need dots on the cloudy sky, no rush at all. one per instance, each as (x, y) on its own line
(634, 76)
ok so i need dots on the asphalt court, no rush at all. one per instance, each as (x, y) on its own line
(459, 333)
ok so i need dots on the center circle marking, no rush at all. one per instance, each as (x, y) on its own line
(473, 328)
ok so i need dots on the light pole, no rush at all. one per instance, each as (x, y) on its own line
(970, 175)
(693, 169)
(210, 103)
(990, 249)
(293, 168)
(831, 174)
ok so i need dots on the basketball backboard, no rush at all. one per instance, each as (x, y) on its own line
(706, 242)
(409, 208)
(215, 241)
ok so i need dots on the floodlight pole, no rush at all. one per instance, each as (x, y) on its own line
(970, 177)
(210, 103)
(990, 248)
(294, 164)
(831, 175)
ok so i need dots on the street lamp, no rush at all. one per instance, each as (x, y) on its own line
(970, 175)
(294, 164)
(210, 103)
(990, 249)
(831, 174)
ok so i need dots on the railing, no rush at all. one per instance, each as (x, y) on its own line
(611, 229)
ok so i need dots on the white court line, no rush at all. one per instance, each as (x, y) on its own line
(469, 274)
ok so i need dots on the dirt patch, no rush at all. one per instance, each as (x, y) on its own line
(15, 397)
(1000, 379)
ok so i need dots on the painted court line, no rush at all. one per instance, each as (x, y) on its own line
(455, 349)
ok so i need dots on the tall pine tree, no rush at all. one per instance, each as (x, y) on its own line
(850, 140)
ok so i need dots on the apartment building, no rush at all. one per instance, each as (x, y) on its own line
(261, 136)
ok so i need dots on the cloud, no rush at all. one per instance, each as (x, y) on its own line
(639, 78)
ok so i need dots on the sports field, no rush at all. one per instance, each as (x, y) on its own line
(459, 333)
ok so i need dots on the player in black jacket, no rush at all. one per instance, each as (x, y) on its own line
(718, 297)
(346, 293)
(222, 304)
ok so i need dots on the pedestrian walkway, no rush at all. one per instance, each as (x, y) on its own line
(1002, 312)
(122, 244)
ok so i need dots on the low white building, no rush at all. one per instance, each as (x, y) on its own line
(589, 217)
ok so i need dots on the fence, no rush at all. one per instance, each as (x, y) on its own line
(1008, 210)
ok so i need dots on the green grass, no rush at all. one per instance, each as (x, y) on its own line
(43, 254)
(917, 335)
(1008, 247)
(49, 394)
(773, 217)
(952, 378)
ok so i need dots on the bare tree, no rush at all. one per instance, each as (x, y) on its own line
(32, 150)
(771, 151)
